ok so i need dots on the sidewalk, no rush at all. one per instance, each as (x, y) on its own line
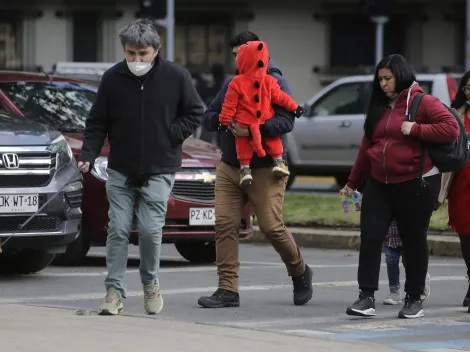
(37, 329)
(447, 244)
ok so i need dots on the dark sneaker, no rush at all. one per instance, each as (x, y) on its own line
(413, 308)
(466, 301)
(363, 307)
(220, 299)
(303, 290)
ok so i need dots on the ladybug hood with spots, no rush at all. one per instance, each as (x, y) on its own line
(251, 58)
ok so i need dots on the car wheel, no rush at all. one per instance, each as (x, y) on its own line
(196, 252)
(75, 253)
(26, 261)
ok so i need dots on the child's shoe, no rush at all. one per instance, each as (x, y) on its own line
(245, 177)
(393, 298)
(280, 168)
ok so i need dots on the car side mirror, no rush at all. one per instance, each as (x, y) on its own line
(308, 110)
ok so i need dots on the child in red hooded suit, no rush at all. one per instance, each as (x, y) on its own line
(248, 101)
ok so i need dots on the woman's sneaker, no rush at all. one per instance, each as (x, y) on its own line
(112, 304)
(413, 308)
(393, 299)
(427, 288)
(363, 307)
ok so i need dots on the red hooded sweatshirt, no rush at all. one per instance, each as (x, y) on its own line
(392, 157)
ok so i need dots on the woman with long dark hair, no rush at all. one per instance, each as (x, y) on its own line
(390, 157)
(459, 192)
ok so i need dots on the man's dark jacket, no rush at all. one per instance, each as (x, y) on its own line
(280, 124)
(146, 119)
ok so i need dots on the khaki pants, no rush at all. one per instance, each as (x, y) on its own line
(266, 195)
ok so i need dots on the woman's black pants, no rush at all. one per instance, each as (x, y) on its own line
(412, 206)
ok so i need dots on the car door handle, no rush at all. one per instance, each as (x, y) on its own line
(345, 124)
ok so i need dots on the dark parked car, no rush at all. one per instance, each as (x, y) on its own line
(64, 104)
(35, 163)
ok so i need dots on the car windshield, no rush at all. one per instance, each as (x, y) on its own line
(61, 105)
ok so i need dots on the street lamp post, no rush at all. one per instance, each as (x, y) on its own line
(380, 22)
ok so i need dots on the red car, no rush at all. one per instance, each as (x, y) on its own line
(64, 103)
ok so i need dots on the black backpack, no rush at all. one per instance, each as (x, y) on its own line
(446, 157)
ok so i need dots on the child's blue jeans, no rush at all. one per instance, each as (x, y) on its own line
(392, 258)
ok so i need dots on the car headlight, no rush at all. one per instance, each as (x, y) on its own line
(99, 168)
(62, 151)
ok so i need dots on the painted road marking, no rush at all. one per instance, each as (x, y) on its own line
(343, 319)
(92, 296)
(315, 179)
(434, 346)
(371, 334)
(280, 264)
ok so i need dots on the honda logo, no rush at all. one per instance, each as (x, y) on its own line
(10, 160)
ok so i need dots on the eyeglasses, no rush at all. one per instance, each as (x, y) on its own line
(466, 89)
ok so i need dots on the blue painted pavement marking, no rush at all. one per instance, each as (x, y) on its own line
(429, 346)
(408, 331)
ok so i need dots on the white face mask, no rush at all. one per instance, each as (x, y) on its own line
(140, 68)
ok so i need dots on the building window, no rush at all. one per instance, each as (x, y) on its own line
(352, 40)
(10, 41)
(199, 46)
(86, 32)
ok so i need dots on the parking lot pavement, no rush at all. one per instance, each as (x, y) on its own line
(266, 298)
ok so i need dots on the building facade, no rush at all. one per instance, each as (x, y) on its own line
(311, 41)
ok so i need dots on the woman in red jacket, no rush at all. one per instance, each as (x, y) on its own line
(390, 157)
(459, 192)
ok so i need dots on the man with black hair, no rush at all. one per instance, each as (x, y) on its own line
(266, 195)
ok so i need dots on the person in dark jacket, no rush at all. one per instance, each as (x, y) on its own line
(266, 195)
(147, 107)
(390, 155)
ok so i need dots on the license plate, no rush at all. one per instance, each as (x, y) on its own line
(18, 203)
(201, 216)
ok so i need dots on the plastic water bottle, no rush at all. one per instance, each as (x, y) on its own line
(356, 200)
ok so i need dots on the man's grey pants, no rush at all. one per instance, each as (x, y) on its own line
(151, 213)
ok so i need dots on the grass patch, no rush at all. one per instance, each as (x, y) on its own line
(327, 211)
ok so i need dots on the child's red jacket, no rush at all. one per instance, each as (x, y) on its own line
(250, 96)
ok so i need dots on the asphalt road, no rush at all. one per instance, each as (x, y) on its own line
(266, 297)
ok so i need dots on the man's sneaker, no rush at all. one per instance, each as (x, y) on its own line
(220, 299)
(466, 301)
(153, 300)
(303, 290)
(280, 168)
(427, 288)
(245, 177)
(393, 298)
(413, 308)
(363, 307)
(112, 304)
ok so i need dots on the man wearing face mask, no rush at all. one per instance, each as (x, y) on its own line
(146, 106)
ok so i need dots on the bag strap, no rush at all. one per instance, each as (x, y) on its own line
(411, 118)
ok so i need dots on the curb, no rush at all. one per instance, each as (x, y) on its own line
(445, 245)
